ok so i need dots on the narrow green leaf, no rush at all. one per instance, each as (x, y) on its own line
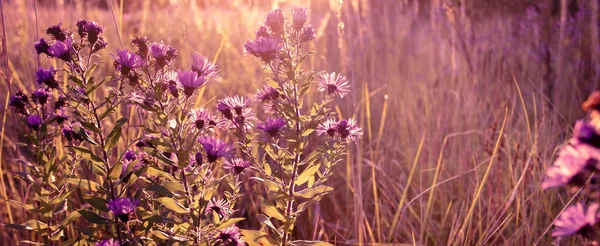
(94, 218)
(172, 205)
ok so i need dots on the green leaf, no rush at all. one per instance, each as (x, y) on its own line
(257, 238)
(115, 170)
(86, 153)
(90, 70)
(265, 220)
(229, 223)
(172, 205)
(97, 202)
(94, 218)
(159, 189)
(159, 173)
(85, 184)
(272, 83)
(70, 218)
(159, 219)
(309, 243)
(97, 85)
(90, 126)
(271, 211)
(314, 193)
(309, 172)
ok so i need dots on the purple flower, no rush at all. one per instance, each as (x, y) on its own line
(42, 47)
(585, 132)
(60, 115)
(70, 133)
(265, 48)
(130, 155)
(108, 242)
(275, 21)
(230, 236)
(190, 81)
(308, 34)
(57, 32)
(204, 67)
(93, 30)
(214, 148)
(236, 165)
(40, 96)
(267, 93)
(328, 127)
(61, 50)
(34, 121)
(125, 61)
(235, 103)
(262, 32)
(221, 207)
(18, 102)
(163, 54)
(198, 158)
(243, 120)
(201, 118)
(349, 129)
(122, 207)
(568, 167)
(272, 126)
(142, 44)
(46, 76)
(576, 219)
(100, 44)
(298, 17)
(333, 84)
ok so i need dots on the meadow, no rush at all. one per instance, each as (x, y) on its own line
(463, 105)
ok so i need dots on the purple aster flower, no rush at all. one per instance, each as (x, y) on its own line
(42, 47)
(265, 48)
(214, 148)
(93, 30)
(204, 67)
(40, 96)
(57, 32)
(576, 219)
(142, 45)
(221, 207)
(230, 236)
(262, 32)
(235, 103)
(237, 165)
(272, 126)
(46, 76)
(267, 93)
(163, 54)
(333, 84)
(60, 115)
(70, 133)
(122, 207)
(130, 155)
(125, 61)
(585, 132)
(308, 34)
(201, 117)
(349, 129)
(243, 120)
(569, 166)
(18, 103)
(61, 50)
(34, 121)
(298, 17)
(170, 83)
(108, 242)
(190, 81)
(275, 21)
(81, 27)
(328, 127)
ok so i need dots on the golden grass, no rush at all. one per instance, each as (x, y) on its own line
(434, 167)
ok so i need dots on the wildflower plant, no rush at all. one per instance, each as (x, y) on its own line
(180, 181)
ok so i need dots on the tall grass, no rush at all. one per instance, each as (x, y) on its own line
(458, 125)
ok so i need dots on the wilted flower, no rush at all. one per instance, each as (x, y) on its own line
(60, 115)
(40, 96)
(592, 103)
(571, 161)
(18, 102)
(585, 132)
(163, 54)
(267, 93)
(69, 133)
(272, 126)
(130, 155)
(93, 30)
(308, 33)
(57, 32)
(61, 50)
(190, 81)
(231, 236)
(214, 148)
(576, 219)
(142, 44)
(349, 129)
(328, 127)
(42, 47)
(108, 242)
(34, 121)
(60, 102)
(265, 48)
(46, 76)
(221, 207)
(122, 207)
(275, 21)
(298, 17)
(204, 67)
(237, 165)
(125, 61)
(333, 84)
(100, 44)
(201, 117)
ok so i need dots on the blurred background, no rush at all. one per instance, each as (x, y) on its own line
(433, 82)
